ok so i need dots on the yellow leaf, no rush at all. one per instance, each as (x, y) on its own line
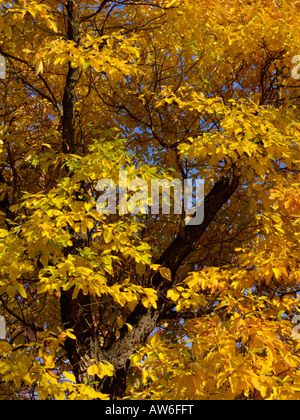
(75, 292)
(21, 290)
(70, 377)
(49, 361)
(171, 3)
(120, 322)
(5, 347)
(107, 368)
(173, 295)
(277, 272)
(11, 291)
(60, 395)
(92, 370)
(145, 302)
(70, 335)
(234, 383)
(39, 67)
(45, 258)
(130, 328)
(90, 223)
(165, 273)
(53, 25)
(155, 340)
(28, 379)
(107, 236)
(140, 268)
(84, 227)
(14, 271)
(3, 233)
(263, 391)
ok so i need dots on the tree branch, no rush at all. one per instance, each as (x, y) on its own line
(52, 99)
(100, 8)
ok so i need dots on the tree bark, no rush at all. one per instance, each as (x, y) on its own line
(76, 314)
(73, 76)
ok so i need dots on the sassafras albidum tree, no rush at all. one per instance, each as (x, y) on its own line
(100, 306)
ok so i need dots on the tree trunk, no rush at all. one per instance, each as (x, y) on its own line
(77, 315)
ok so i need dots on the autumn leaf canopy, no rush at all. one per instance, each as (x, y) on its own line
(101, 305)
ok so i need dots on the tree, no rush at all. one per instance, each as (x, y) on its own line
(144, 306)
